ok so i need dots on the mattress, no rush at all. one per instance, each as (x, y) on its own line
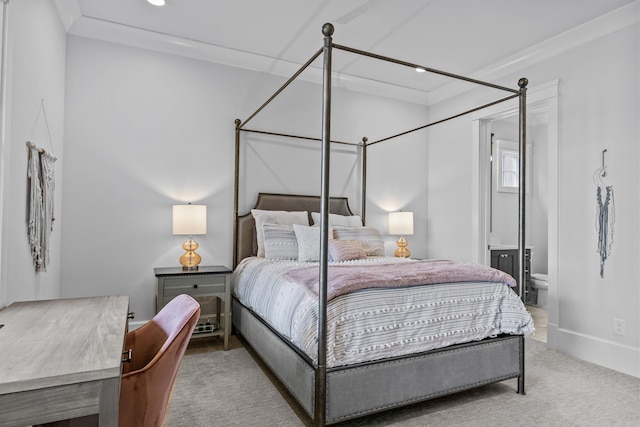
(378, 323)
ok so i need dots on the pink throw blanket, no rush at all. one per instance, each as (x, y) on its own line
(342, 279)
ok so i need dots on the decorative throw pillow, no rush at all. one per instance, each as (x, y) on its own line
(275, 217)
(335, 219)
(345, 250)
(279, 241)
(369, 238)
(308, 242)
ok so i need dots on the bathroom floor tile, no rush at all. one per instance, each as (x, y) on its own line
(540, 320)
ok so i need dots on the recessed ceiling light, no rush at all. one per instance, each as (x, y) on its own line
(156, 2)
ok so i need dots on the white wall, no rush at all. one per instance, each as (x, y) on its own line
(599, 109)
(36, 69)
(539, 206)
(450, 181)
(504, 212)
(145, 130)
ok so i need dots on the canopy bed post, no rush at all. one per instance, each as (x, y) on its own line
(363, 201)
(321, 371)
(236, 180)
(522, 123)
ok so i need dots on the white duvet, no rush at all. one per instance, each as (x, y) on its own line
(378, 323)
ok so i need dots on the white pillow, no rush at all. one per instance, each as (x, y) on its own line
(370, 238)
(335, 219)
(275, 217)
(345, 250)
(279, 241)
(308, 239)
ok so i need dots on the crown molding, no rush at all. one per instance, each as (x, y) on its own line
(592, 30)
(68, 12)
(78, 25)
(159, 42)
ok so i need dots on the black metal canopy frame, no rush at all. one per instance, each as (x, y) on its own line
(327, 50)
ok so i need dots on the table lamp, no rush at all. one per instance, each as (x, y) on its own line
(190, 220)
(401, 224)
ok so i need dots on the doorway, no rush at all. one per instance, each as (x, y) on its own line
(503, 191)
(500, 122)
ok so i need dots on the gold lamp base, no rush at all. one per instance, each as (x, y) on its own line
(402, 251)
(190, 259)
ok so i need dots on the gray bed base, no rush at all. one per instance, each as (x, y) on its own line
(366, 388)
(354, 391)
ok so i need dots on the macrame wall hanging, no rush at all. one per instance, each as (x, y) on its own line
(605, 214)
(41, 178)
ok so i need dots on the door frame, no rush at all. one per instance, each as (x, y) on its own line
(543, 98)
(4, 117)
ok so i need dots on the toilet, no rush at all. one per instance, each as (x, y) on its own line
(539, 282)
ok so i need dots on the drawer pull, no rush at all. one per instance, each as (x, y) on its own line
(127, 355)
(131, 315)
(195, 286)
(504, 255)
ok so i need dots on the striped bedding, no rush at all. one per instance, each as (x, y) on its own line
(378, 323)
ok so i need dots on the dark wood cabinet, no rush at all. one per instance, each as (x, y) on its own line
(507, 260)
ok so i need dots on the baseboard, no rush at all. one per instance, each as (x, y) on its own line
(609, 354)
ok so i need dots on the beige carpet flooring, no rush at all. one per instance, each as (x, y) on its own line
(233, 388)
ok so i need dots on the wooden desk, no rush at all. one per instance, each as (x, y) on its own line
(61, 359)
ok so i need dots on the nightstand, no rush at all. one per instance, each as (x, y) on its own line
(206, 281)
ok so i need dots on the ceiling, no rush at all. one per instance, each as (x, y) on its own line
(466, 37)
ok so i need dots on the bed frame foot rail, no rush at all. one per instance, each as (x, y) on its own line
(384, 383)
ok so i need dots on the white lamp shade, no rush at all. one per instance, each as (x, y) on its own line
(401, 223)
(190, 219)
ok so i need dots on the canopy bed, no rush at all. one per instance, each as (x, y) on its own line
(308, 327)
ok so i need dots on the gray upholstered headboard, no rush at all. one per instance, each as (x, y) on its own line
(246, 225)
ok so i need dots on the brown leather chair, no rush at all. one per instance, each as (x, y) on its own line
(156, 350)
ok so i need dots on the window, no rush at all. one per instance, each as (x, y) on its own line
(509, 170)
(508, 166)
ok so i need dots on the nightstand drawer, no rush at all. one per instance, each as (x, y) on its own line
(194, 286)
